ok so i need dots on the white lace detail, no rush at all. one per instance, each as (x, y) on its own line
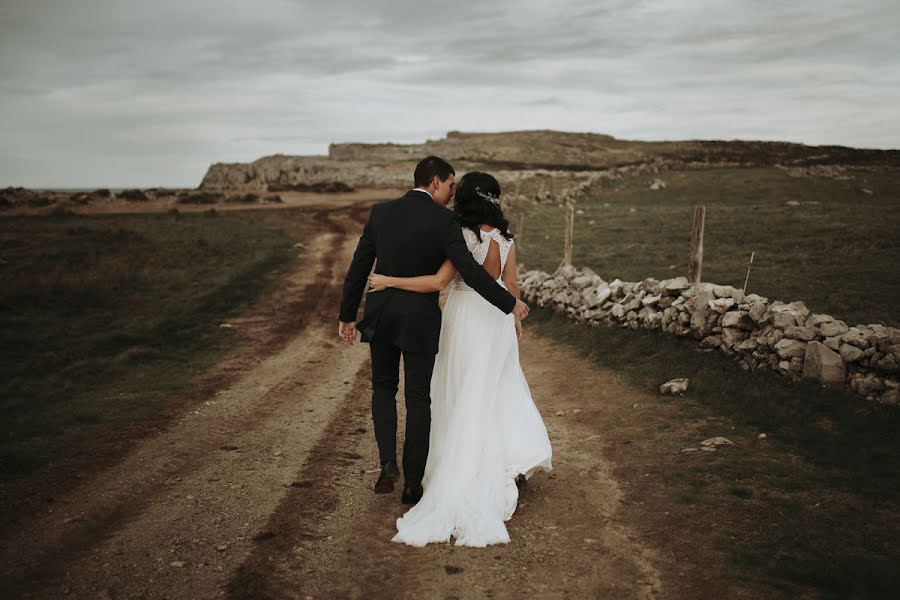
(480, 249)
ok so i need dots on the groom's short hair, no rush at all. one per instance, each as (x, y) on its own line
(430, 166)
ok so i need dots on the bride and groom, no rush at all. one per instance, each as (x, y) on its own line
(472, 430)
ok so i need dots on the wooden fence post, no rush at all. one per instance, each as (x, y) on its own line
(520, 229)
(570, 230)
(746, 279)
(696, 262)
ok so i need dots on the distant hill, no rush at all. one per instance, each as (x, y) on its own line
(515, 155)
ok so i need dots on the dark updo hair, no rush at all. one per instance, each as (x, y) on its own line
(474, 210)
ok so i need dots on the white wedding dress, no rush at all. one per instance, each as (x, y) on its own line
(485, 428)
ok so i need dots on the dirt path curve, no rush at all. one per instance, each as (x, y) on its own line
(197, 492)
(264, 489)
(329, 538)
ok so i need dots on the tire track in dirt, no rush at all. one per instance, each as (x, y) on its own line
(265, 491)
(176, 514)
(330, 537)
(278, 317)
(323, 538)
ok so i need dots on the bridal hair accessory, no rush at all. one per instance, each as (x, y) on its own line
(488, 196)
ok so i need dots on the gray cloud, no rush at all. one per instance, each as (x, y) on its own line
(113, 92)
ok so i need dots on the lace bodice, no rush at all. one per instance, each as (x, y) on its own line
(480, 249)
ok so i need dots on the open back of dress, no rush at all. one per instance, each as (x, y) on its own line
(479, 250)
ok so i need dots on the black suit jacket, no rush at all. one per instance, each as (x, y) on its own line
(411, 236)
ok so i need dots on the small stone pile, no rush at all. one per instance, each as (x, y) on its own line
(784, 337)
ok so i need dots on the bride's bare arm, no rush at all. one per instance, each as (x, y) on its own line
(423, 283)
(511, 281)
(509, 273)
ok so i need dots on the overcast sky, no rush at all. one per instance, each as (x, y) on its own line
(137, 93)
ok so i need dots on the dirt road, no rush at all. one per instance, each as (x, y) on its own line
(261, 486)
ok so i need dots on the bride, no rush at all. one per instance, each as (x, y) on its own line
(486, 433)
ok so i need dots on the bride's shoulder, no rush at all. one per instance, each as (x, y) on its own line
(468, 234)
(494, 233)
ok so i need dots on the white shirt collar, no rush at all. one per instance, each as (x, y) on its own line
(418, 189)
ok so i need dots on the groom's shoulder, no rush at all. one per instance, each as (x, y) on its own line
(416, 208)
(442, 217)
(445, 213)
(394, 203)
(385, 205)
(452, 218)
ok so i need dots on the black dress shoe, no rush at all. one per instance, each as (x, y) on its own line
(411, 493)
(387, 477)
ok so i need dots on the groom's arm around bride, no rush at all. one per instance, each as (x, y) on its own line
(411, 236)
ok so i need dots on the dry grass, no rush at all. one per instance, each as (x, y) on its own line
(814, 507)
(838, 250)
(105, 317)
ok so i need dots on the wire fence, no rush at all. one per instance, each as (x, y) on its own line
(552, 235)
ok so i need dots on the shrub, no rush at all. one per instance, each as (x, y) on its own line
(61, 211)
(133, 195)
(323, 187)
(200, 198)
(243, 199)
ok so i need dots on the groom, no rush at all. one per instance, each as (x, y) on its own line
(410, 236)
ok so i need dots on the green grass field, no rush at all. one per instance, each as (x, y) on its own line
(104, 317)
(813, 507)
(838, 250)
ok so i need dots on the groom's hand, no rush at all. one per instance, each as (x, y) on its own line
(347, 331)
(520, 310)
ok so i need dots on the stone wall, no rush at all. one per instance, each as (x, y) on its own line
(761, 334)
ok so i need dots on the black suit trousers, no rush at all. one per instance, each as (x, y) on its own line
(418, 367)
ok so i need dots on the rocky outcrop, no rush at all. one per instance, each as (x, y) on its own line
(552, 164)
(761, 334)
(281, 171)
(516, 150)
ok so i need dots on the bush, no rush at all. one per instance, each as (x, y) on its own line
(243, 199)
(61, 211)
(200, 198)
(81, 198)
(133, 195)
(323, 187)
(39, 201)
(18, 196)
(159, 192)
